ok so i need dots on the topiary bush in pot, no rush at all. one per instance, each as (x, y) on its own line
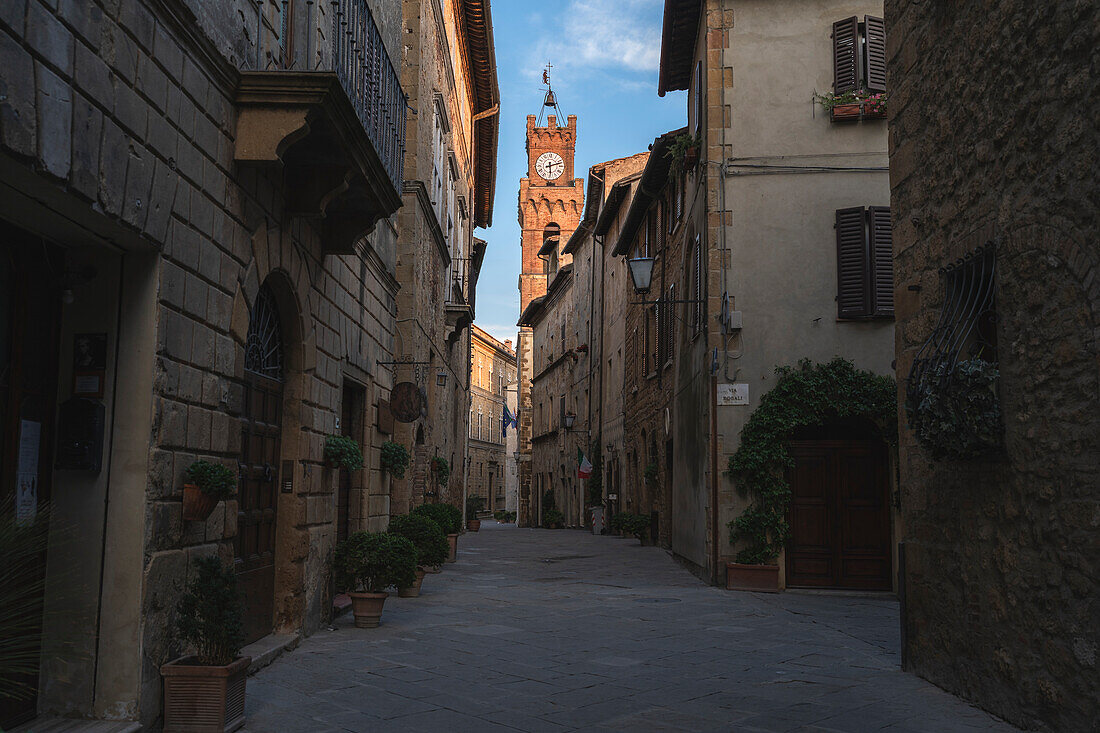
(449, 518)
(366, 564)
(210, 684)
(343, 452)
(395, 458)
(430, 542)
(207, 484)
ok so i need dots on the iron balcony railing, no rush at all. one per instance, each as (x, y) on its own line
(459, 293)
(358, 57)
(364, 69)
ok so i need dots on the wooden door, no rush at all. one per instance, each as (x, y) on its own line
(839, 515)
(352, 413)
(29, 338)
(261, 429)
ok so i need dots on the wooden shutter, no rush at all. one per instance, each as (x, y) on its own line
(657, 315)
(697, 285)
(875, 50)
(882, 260)
(670, 323)
(852, 270)
(846, 76)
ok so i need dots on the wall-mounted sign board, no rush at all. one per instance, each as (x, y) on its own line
(733, 394)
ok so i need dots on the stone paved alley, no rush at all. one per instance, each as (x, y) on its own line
(538, 630)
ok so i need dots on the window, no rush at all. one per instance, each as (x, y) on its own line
(698, 96)
(859, 55)
(695, 284)
(645, 342)
(658, 316)
(561, 412)
(479, 422)
(864, 263)
(670, 326)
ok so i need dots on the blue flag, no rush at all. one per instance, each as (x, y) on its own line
(507, 418)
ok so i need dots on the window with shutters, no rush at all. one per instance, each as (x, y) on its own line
(695, 284)
(670, 326)
(659, 346)
(645, 343)
(859, 69)
(864, 263)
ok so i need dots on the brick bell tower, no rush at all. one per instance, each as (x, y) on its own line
(551, 202)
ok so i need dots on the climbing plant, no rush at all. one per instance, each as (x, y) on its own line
(806, 395)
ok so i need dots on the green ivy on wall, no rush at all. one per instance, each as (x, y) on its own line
(808, 395)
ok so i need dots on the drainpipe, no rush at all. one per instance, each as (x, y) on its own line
(714, 477)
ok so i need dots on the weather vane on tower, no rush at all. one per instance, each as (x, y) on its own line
(549, 100)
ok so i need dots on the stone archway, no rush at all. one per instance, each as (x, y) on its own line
(278, 269)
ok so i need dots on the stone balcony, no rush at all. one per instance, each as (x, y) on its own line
(337, 131)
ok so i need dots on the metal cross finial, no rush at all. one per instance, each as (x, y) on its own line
(546, 74)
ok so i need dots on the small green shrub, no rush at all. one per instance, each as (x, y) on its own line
(956, 412)
(552, 519)
(374, 561)
(213, 479)
(504, 516)
(474, 504)
(448, 517)
(635, 525)
(594, 488)
(426, 536)
(650, 473)
(209, 614)
(344, 452)
(395, 458)
(548, 500)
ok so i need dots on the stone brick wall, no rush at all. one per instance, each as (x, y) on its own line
(993, 136)
(126, 110)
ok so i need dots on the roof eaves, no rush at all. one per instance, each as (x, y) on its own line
(654, 179)
(678, 34)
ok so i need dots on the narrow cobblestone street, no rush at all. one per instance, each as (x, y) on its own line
(538, 630)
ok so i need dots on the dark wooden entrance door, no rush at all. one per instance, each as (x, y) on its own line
(29, 338)
(352, 411)
(261, 428)
(840, 521)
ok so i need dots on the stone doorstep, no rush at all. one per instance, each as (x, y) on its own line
(879, 595)
(268, 649)
(52, 724)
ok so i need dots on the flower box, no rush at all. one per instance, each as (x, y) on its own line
(756, 578)
(846, 112)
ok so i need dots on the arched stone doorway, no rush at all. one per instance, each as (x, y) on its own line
(260, 461)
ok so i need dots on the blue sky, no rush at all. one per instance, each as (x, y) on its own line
(604, 55)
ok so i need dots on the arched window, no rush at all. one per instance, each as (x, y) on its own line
(551, 237)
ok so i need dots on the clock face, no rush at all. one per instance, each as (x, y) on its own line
(549, 166)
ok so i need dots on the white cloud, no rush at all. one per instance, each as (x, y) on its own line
(610, 34)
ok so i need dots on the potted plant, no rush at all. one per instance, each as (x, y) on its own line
(209, 685)
(430, 542)
(854, 105)
(343, 452)
(395, 458)
(474, 504)
(449, 518)
(684, 153)
(441, 471)
(208, 483)
(367, 563)
(552, 519)
(650, 473)
(635, 525)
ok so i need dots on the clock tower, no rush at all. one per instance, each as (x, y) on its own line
(551, 202)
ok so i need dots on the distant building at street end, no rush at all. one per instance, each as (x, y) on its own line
(492, 373)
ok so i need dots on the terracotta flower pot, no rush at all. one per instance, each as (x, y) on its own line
(758, 578)
(204, 699)
(413, 591)
(691, 157)
(873, 113)
(473, 525)
(367, 608)
(846, 112)
(197, 504)
(452, 540)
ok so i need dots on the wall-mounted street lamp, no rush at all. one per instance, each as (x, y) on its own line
(441, 378)
(570, 418)
(641, 272)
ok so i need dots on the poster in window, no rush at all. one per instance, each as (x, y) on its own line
(89, 364)
(26, 473)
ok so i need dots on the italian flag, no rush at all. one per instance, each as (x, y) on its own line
(585, 468)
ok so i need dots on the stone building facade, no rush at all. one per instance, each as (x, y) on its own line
(450, 174)
(550, 204)
(1001, 571)
(652, 227)
(763, 250)
(492, 372)
(204, 235)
